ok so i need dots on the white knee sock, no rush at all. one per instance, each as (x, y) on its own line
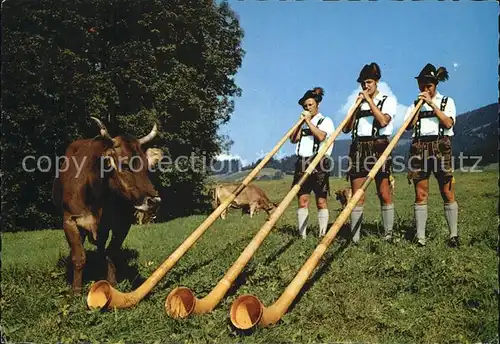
(451, 214)
(421, 221)
(388, 219)
(303, 214)
(322, 221)
(356, 220)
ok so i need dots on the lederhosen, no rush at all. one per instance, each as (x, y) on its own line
(430, 153)
(366, 150)
(318, 181)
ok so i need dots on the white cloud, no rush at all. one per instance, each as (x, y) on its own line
(348, 103)
(225, 156)
(280, 154)
(400, 116)
(385, 89)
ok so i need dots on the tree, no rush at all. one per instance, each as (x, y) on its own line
(129, 63)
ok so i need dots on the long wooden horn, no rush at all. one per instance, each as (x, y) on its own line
(247, 311)
(102, 294)
(181, 302)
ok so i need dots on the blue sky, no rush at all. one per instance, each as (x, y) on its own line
(292, 46)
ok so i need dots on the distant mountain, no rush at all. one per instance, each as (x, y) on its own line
(476, 134)
(266, 173)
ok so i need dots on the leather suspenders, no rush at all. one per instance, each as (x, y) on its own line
(428, 114)
(366, 113)
(307, 132)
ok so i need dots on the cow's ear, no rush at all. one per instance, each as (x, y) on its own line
(153, 155)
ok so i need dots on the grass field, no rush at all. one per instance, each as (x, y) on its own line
(373, 292)
(239, 176)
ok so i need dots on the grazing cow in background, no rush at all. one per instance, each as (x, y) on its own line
(343, 196)
(100, 184)
(251, 199)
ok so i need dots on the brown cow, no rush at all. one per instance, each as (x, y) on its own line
(251, 199)
(101, 182)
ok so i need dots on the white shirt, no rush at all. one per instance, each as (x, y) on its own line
(429, 126)
(365, 124)
(305, 145)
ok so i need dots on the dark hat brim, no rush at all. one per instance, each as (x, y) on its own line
(371, 71)
(428, 78)
(307, 95)
(316, 93)
(427, 73)
(302, 100)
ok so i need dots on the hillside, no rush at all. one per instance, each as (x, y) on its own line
(265, 174)
(476, 134)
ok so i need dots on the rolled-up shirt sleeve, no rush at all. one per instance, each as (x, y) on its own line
(450, 110)
(409, 111)
(327, 126)
(390, 107)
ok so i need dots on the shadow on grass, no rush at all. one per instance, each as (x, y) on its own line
(289, 230)
(95, 268)
(176, 275)
(343, 234)
(404, 231)
(344, 238)
(249, 271)
(293, 231)
(279, 252)
(324, 266)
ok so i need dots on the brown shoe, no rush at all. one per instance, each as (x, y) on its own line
(454, 242)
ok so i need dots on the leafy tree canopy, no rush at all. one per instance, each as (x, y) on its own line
(130, 63)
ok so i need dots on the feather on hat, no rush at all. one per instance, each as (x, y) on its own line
(316, 93)
(430, 73)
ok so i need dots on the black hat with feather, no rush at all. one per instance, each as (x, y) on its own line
(316, 93)
(371, 71)
(430, 74)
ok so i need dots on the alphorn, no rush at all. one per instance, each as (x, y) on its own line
(103, 295)
(247, 311)
(181, 301)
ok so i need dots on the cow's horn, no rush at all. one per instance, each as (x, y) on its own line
(149, 136)
(104, 131)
